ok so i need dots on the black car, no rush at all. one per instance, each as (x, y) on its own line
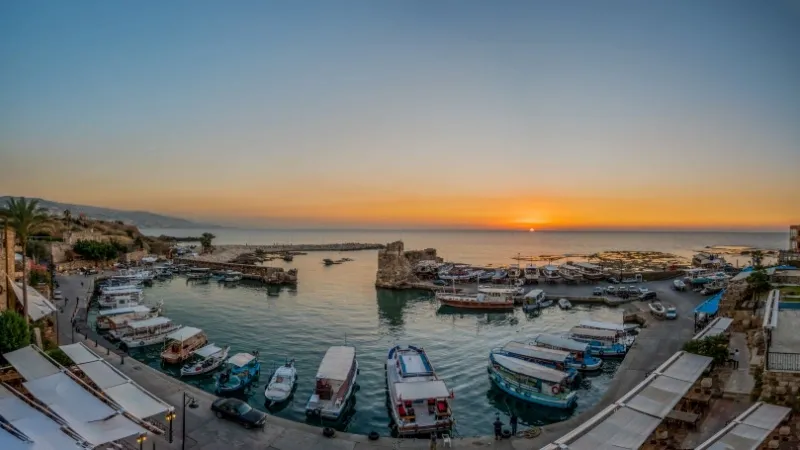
(650, 295)
(239, 411)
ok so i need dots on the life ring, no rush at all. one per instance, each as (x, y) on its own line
(555, 389)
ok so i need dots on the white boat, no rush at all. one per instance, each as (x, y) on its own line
(116, 318)
(657, 310)
(535, 299)
(514, 271)
(564, 303)
(494, 291)
(133, 275)
(419, 401)
(531, 274)
(207, 359)
(550, 273)
(569, 273)
(232, 276)
(180, 344)
(479, 301)
(589, 271)
(629, 328)
(120, 297)
(282, 383)
(679, 285)
(335, 383)
(713, 287)
(142, 333)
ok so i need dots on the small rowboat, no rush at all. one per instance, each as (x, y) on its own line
(658, 310)
(564, 303)
(679, 285)
(210, 357)
(282, 383)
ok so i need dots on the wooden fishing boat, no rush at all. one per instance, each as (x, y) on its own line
(419, 400)
(207, 360)
(282, 383)
(180, 344)
(479, 301)
(143, 333)
(531, 382)
(335, 383)
(242, 369)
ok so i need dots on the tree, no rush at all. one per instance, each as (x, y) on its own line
(14, 331)
(25, 217)
(67, 216)
(757, 256)
(139, 242)
(758, 281)
(205, 241)
(715, 347)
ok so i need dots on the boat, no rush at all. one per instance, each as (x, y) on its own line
(179, 345)
(679, 285)
(657, 310)
(569, 273)
(128, 275)
(531, 382)
(578, 350)
(120, 297)
(198, 273)
(484, 275)
(535, 299)
(628, 329)
(636, 278)
(412, 384)
(550, 273)
(564, 304)
(232, 276)
(514, 271)
(712, 288)
(335, 383)
(282, 383)
(499, 275)
(494, 291)
(288, 258)
(207, 360)
(589, 271)
(555, 359)
(330, 262)
(531, 274)
(672, 313)
(142, 333)
(459, 273)
(478, 301)
(121, 316)
(602, 343)
(242, 369)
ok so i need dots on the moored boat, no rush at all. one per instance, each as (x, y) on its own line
(550, 273)
(208, 359)
(121, 316)
(564, 304)
(627, 330)
(514, 271)
(555, 359)
(335, 383)
(602, 343)
(142, 333)
(579, 350)
(531, 382)
(589, 271)
(569, 273)
(531, 274)
(535, 299)
(479, 301)
(232, 276)
(657, 310)
(180, 344)
(282, 383)
(679, 285)
(198, 273)
(419, 400)
(242, 369)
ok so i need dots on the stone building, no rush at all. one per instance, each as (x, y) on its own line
(396, 266)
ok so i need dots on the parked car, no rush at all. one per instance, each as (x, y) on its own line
(622, 290)
(613, 280)
(239, 411)
(598, 291)
(649, 295)
(57, 295)
(611, 290)
(643, 290)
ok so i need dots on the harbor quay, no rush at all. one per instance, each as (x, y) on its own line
(656, 343)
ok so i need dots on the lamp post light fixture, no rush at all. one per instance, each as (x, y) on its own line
(192, 404)
(141, 439)
(170, 417)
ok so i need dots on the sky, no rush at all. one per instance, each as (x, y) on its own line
(427, 114)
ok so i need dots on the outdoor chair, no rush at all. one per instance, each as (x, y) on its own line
(446, 440)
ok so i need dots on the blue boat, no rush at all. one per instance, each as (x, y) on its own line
(581, 355)
(242, 369)
(602, 343)
(531, 382)
(555, 359)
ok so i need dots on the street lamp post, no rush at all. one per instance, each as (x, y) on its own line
(192, 404)
(141, 440)
(170, 417)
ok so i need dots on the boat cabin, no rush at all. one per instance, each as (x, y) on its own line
(535, 297)
(544, 380)
(122, 315)
(594, 334)
(549, 357)
(432, 397)
(180, 344)
(578, 350)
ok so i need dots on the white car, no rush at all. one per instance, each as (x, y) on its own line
(643, 290)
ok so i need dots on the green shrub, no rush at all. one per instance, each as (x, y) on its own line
(715, 347)
(14, 331)
(60, 357)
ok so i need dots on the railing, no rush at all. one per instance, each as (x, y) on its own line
(783, 361)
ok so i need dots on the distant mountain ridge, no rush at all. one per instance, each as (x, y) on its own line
(141, 219)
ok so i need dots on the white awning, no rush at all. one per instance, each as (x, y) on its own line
(92, 419)
(131, 397)
(126, 310)
(31, 424)
(184, 334)
(624, 429)
(38, 305)
(207, 351)
(336, 363)
(147, 323)
(79, 354)
(749, 430)
(30, 363)
(421, 390)
(241, 359)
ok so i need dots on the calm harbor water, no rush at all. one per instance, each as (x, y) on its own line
(338, 304)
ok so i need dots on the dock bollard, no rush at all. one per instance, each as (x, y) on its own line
(108, 351)
(122, 360)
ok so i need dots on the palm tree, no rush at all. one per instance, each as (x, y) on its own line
(67, 216)
(757, 256)
(25, 217)
(205, 242)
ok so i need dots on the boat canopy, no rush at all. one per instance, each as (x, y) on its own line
(606, 325)
(710, 306)
(184, 334)
(420, 390)
(207, 351)
(336, 363)
(595, 333)
(147, 323)
(534, 293)
(530, 369)
(240, 359)
(536, 352)
(125, 310)
(121, 290)
(586, 265)
(560, 342)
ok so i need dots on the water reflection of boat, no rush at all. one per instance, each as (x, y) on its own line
(491, 317)
(392, 304)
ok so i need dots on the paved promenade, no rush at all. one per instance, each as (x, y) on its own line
(204, 431)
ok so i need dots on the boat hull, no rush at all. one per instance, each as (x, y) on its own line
(467, 304)
(512, 389)
(276, 395)
(334, 414)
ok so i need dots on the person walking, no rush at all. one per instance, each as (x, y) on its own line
(498, 428)
(513, 422)
(736, 359)
(433, 441)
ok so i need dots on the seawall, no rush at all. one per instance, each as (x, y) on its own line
(265, 274)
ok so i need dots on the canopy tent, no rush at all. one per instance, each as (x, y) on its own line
(749, 430)
(336, 363)
(183, 334)
(30, 363)
(30, 429)
(134, 399)
(241, 359)
(207, 351)
(710, 306)
(38, 305)
(716, 327)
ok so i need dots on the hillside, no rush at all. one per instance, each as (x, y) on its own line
(141, 219)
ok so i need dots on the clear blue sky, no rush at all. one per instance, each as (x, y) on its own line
(301, 106)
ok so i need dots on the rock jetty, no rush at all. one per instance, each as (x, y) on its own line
(396, 266)
(265, 274)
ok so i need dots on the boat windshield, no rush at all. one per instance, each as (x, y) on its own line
(243, 408)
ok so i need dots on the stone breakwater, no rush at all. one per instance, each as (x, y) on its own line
(269, 275)
(396, 266)
(227, 253)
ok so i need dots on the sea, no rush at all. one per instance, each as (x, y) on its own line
(336, 305)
